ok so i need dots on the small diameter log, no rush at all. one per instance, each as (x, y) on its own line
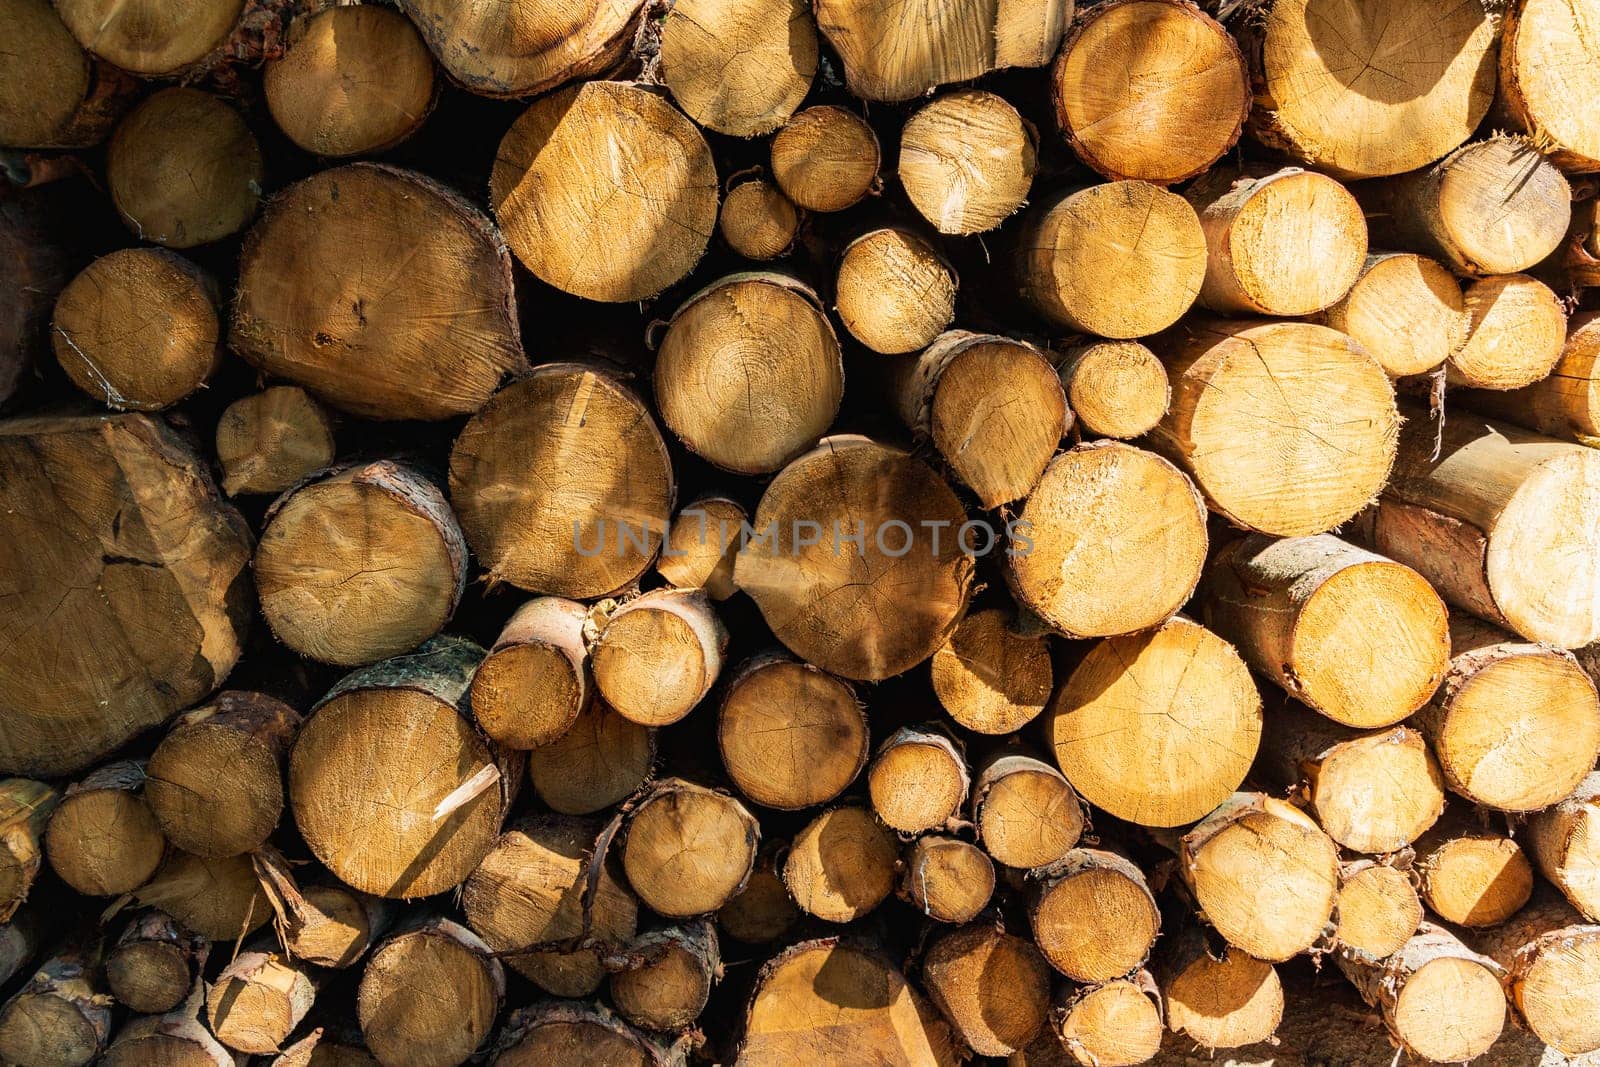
(392, 787)
(1115, 388)
(739, 68)
(1566, 404)
(1551, 958)
(1290, 242)
(258, 999)
(318, 1049)
(151, 38)
(1359, 638)
(1470, 875)
(531, 889)
(329, 925)
(842, 865)
(1120, 260)
(1539, 39)
(845, 569)
(1150, 89)
(1565, 842)
(1317, 411)
(791, 736)
(403, 267)
(534, 683)
(795, 1013)
(1263, 874)
(700, 551)
(1114, 1024)
(918, 780)
(992, 406)
(1218, 1001)
(52, 93)
(215, 782)
(1492, 516)
(689, 848)
(749, 373)
(183, 169)
(946, 879)
(1157, 728)
(894, 291)
(1025, 811)
(25, 809)
(989, 676)
(557, 179)
(1093, 915)
(967, 161)
(825, 158)
(600, 761)
(553, 1031)
(218, 899)
(670, 989)
(115, 543)
(429, 995)
(1406, 310)
(1434, 977)
(537, 520)
(271, 440)
(1515, 334)
(1367, 89)
(757, 220)
(350, 80)
(1116, 541)
(993, 987)
(175, 1039)
(1378, 908)
(60, 1018)
(1492, 207)
(138, 329)
(762, 911)
(658, 656)
(19, 942)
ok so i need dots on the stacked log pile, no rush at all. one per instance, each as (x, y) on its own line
(774, 532)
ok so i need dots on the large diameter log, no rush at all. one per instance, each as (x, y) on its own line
(749, 373)
(430, 291)
(1496, 519)
(1406, 310)
(894, 292)
(1289, 428)
(947, 879)
(258, 999)
(1432, 978)
(1115, 388)
(1551, 958)
(845, 568)
(989, 676)
(558, 177)
(703, 545)
(834, 1002)
(600, 761)
(116, 545)
(60, 1018)
(967, 161)
(1547, 83)
(1114, 1024)
(669, 989)
(842, 865)
(763, 911)
(1378, 908)
(738, 67)
(52, 93)
(1157, 728)
(918, 780)
(555, 1031)
(992, 406)
(757, 220)
(151, 38)
(218, 899)
(392, 787)
(1359, 638)
(1516, 327)
(533, 684)
(1026, 812)
(1369, 88)
(1470, 875)
(1150, 89)
(25, 809)
(329, 925)
(826, 158)
(1093, 915)
(1566, 403)
(153, 965)
(1120, 260)
(689, 848)
(271, 440)
(1565, 843)
(992, 986)
(1108, 516)
(1218, 1001)
(429, 995)
(537, 520)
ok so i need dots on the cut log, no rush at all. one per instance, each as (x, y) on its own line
(1538, 39)
(1566, 404)
(1150, 89)
(1378, 908)
(1360, 638)
(845, 569)
(994, 988)
(1120, 260)
(894, 292)
(600, 761)
(1368, 88)
(60, 1018)
(700, 551)
(329, 925)
(1551, 958)
(791, 736)
(138, 329)
(175, 1039)
(670, 990)
(553, 1031)
(946, 879)
(1406, 310)
(392, 787)
(271, 440)
(757, 220)
(1115, 388)
(658, 656)
(538, 521)
(35, 265)
(762, 911)
(1516, 328)
(153, 965)
(25, 809)
(558, 177)
(184, 169)
(1157, 728)
(918, 780)
(967, 160)
(1289, 428)
(842, 865)
(156, 39)
(1026, 813)
(429, 292)
(258, 999)
(1093, 915)
(117, 546)
(1470, 875)
(825, 158)
(52, 93)
(534, 683)
(749, 373)
(1495, 518)
(1116, 541)
(350, 80)
(689, 848)
(1115, 1024)
(992, 406)
(218, 899)
(738, 67)
(429, 996)
(990, 677)
(1218, 1001)
(1565, 842)
(1433, 978)
(19, 942)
